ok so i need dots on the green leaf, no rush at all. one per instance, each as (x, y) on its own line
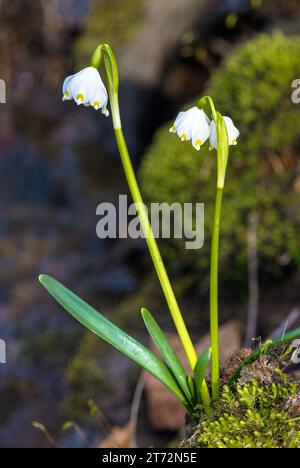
(223, 150)
(110, 333)
(292, 335)
(193, 389)
(200, 369)
(166, 350)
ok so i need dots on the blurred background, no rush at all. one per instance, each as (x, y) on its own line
(58, 162)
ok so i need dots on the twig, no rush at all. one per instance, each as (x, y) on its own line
(136, 403)
(73, 425)
(41, 427)
(95, 410)
(252, 280)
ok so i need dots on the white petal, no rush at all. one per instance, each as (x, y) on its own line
(213, 135)
(100, 98)
(193, 112)
(180, 116)
(83, 85)
(184, 130)
(105, 111)
(192, 124)
(81, 90)
(196, 114)
(200, 131)
(177, 122)
(233, 133)
(184, 124)
(66, 89)
(196, 141)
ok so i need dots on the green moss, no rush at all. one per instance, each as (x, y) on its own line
(251, 416)
(254, 88)
(113, 22)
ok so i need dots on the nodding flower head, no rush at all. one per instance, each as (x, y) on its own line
(233, 133)
(86, 87)
(192, 125)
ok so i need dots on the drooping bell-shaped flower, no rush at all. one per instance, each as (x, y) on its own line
(86, 87)
(233, 133)
(194, 125)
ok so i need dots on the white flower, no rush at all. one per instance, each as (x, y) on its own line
(192, 125)
(233, 133)
(86, 87)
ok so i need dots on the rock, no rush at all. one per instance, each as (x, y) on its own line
(120, 437)
(164, 410)
(142, 63)
(233, 362)
(263, 369)
(230, 340)
(144, 54)
(292, 404)
(295, 374)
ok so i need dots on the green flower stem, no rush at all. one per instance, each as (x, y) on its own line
(205, 398)
(222, 159)
(214, 313)
(207, 101)
(111, 69)
(154, 251)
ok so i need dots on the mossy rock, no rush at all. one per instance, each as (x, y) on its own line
(251, 416)
(254, 88)
(259, 410)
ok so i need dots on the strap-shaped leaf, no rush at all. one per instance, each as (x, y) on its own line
(200, 369)
(193, 389)
(223, 150)
(164, 346)
(292, 335)
(110, 333)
